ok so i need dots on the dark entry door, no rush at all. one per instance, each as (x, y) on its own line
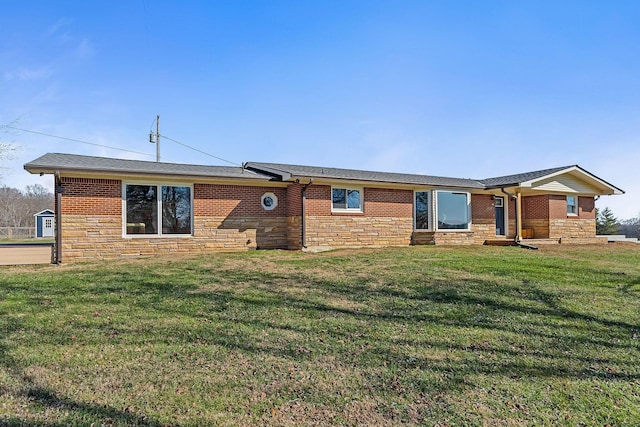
(499, 204)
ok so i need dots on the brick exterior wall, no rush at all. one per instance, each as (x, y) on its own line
(294, 216)
(587, 207)
(90, 196)
(483, 207)
(230, 217)
(386, 220)
(236, 201)
(547, 216)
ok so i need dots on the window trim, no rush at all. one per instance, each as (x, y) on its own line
(348, 209)
(575, 198)
(159, 185)
(429, 211)
(437, 212)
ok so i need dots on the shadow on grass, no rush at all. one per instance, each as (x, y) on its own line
(307, 318)
(78, 413)
(478, 303)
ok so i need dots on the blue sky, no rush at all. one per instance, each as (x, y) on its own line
(453, 88)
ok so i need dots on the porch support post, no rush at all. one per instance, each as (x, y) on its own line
(519, 215)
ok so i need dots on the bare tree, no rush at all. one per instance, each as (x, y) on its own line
(17, 207)
(6, 151)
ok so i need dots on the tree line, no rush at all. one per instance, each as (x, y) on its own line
(17, 207)
(608, 224)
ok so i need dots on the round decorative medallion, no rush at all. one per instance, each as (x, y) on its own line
(269, 201)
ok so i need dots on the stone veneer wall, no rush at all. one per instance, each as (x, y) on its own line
(348, 231)
(226, 217)
(387, 219)
(574, 230)
(87, 237)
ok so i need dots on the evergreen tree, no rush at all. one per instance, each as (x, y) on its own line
(606, 222)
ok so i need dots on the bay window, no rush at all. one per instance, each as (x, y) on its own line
(453, 210)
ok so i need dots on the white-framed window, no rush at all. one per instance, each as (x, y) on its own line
(572, 205)
(346, 199)
(453, 210)
(48, 223)
(422, 210)
(157, 210)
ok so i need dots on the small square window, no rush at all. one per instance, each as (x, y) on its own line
(346, 199)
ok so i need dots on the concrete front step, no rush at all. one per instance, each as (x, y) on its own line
(536, 242)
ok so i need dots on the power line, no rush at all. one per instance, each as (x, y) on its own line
(73, 140)
(200, 151)
(115, 148)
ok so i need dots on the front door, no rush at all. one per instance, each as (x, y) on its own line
(47, 227)
(499, 204)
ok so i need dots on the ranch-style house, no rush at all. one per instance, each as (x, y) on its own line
(108, 208)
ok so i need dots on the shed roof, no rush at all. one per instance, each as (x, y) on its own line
(46, 212)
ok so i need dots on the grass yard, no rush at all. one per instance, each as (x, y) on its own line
(495, 336)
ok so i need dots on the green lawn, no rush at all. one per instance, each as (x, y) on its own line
(418, 335)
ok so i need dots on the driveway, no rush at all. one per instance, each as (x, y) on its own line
(27, 253)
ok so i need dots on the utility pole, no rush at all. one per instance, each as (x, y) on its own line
(158, 138)
(155, 138)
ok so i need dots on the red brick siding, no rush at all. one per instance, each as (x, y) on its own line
(380, 202)
(482, 207)
(587, 207)
(235, 201)
(557, 206)
(88, 196)
(318, 200)
(294, 200)
(535, 207)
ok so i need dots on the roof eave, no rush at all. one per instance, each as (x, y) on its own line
(41, 169)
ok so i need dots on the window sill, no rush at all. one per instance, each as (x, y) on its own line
(155, 236)
(347, 213)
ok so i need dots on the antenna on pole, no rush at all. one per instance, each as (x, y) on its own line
(154, 138)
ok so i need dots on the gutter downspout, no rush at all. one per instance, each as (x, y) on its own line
(303, 222)
(517, 241)
(56, 256)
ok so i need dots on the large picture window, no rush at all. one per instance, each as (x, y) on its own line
(157, 210)
(421, 213)
(346, 199)
(453, 210)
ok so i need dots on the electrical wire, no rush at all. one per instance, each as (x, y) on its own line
(74, 140)
(115, 148)
(200, 151)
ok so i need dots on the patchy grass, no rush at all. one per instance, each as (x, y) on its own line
(419, 335)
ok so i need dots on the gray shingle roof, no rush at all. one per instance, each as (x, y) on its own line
(508, 180)
(283, 171)
(51, 162)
